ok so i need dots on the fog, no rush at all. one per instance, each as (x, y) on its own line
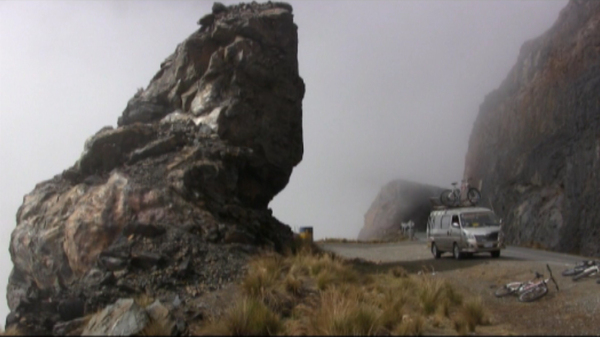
(392, 91)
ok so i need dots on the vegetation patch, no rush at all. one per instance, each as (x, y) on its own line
(311, 292)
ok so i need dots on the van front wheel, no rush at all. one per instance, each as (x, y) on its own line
(456, 252)
(436, 253)
(495, 253)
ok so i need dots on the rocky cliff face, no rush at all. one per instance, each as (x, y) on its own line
(171, 202)
(398, 201)
(536, 141)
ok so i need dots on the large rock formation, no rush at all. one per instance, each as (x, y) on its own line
(172, 201)
(398, 201)
(536, 141)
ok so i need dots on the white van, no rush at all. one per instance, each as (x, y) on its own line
(464, 231)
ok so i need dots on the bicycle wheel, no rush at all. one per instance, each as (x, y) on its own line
(507, 289)
(585, 273)
(473, 195)
(446, 198)
(534, 293)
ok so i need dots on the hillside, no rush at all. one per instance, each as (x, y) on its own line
(535, 143)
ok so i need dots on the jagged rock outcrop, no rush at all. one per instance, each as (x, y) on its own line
(172, 201)
(536, 141)
(398, 201)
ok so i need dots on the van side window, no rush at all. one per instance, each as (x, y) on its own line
(455, 218)
(445, 222)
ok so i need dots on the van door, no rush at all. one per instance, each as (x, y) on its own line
(455, 233)
(444, 236)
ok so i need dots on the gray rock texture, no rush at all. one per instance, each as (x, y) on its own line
(172, 201)
(398, 201)
(536, 141)
(124, 318)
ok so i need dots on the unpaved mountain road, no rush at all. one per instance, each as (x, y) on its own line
(418, 251)
(574, 310)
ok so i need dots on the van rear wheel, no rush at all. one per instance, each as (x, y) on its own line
(436, 253)
(456, 252)
(495, 253)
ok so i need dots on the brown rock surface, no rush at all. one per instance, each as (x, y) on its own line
(536, 144)
(172, 201)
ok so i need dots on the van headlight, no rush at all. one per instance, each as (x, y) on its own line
(470, 237)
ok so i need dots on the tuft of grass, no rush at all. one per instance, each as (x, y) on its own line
(342, 312)
(437, 296)
(12, 331)
(249, 317)
(293, 284)
(399, 272)
(392, 310)
(301, 246)
(454, 297)
(157, 328)
(143, 300)
(430, 294)
(472, 314)
(410, 326)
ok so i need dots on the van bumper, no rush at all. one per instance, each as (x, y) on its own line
(482, 247)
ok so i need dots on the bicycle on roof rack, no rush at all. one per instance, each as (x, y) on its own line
(456, 196)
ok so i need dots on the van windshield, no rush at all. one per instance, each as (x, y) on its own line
(479, 219)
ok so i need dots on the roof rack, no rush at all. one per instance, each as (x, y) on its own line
(436, 204)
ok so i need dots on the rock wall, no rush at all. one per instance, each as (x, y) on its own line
(172, 201)
(536, 141)
(398, 201)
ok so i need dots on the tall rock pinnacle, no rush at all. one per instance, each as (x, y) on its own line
(177, 194)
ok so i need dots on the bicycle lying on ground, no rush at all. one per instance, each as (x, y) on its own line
(579, 267)
(456, 196)
(595, 269)
(528, 291)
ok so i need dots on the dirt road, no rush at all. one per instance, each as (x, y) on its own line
(573, 310)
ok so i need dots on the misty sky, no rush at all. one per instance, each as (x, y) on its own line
(392, 91)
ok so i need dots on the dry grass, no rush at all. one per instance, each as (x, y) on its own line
(399, 272)
(471, 314)
(12, 331)
(248, 317)
(410, 326)
(143, 300)
(311, 292)
(157, 328)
